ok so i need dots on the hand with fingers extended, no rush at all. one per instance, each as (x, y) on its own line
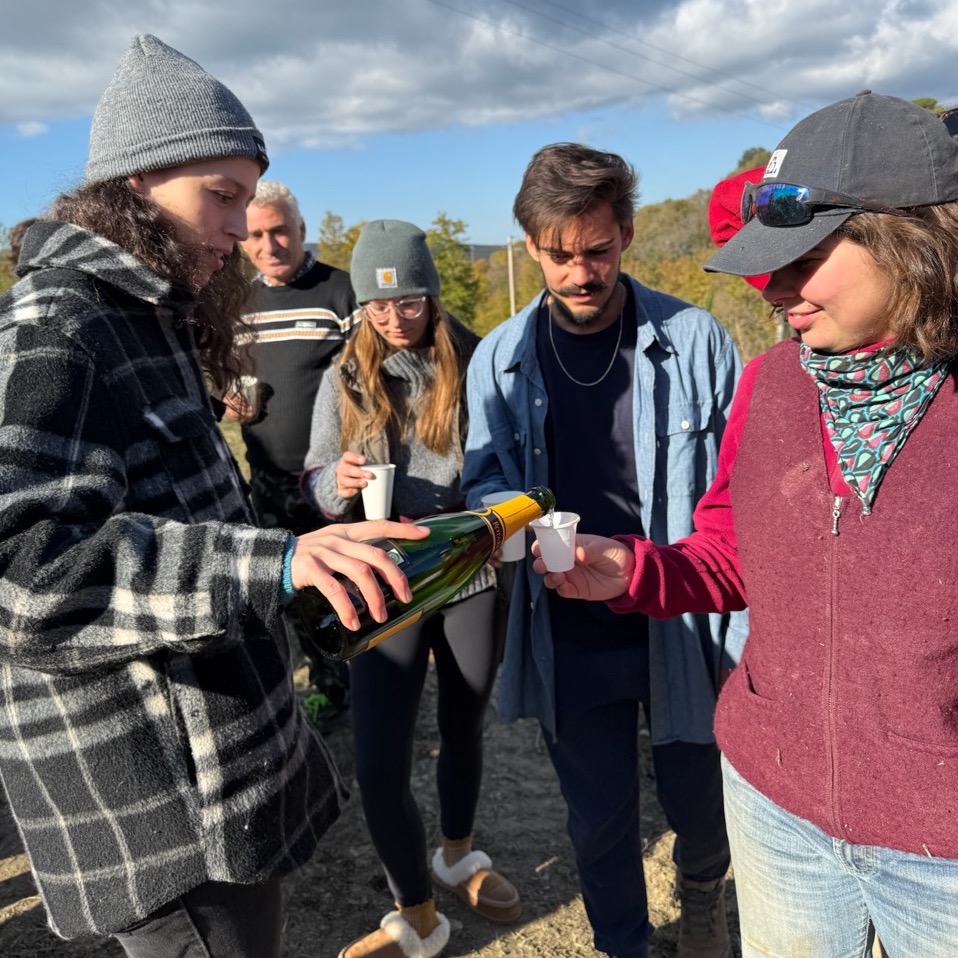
(603, 569)
(341, 549)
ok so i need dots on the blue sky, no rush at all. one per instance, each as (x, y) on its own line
(409, 108)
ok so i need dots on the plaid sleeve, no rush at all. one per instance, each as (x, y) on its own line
(87, 579)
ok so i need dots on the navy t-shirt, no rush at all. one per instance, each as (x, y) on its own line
(590, 444)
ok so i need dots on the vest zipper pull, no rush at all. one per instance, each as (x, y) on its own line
(836, 514)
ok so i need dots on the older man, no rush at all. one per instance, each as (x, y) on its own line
(303, 312)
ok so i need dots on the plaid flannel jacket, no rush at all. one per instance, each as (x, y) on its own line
(150, 738)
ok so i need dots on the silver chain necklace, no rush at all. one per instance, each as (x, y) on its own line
(615, 351)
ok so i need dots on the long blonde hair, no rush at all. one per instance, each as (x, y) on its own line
(367, 408)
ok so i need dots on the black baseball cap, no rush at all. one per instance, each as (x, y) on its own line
(880, 148)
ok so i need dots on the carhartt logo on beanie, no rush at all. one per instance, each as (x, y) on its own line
(162, 110)
(391, 259)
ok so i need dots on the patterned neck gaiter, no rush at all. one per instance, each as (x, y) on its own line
(871, 401)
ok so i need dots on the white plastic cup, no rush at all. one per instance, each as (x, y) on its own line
(556, 535)
(378, 493)
(514, 548)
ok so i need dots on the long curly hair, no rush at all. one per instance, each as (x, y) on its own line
(367, 409)
(115, 211)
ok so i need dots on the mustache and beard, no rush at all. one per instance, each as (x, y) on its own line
(586, 319)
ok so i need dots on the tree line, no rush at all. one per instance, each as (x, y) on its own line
(671, 243)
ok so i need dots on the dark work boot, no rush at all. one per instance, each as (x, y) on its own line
(703, 925)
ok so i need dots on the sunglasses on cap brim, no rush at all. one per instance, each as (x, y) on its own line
(950, 119)
(788, 204)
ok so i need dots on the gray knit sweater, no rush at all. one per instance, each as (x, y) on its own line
(426, 482)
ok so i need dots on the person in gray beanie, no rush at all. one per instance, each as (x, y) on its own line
(397, 397)
(157, 763)
(391, 260)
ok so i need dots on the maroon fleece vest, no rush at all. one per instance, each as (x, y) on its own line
(844, 709)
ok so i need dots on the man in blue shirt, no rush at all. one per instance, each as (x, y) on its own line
(615, 396)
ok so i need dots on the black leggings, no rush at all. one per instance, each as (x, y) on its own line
(386, 686)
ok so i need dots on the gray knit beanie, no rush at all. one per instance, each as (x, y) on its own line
(391, 259)
(162, 110)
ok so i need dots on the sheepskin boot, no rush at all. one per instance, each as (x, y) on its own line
(469, 876)
(416, 931)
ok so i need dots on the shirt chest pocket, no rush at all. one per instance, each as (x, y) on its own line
(682, 419)
(686, 454)
(182, 468)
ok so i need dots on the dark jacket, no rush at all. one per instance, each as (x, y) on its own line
(150, 738)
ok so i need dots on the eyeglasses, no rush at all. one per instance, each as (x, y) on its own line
(410, 308)
(950, 119)
(787, 204)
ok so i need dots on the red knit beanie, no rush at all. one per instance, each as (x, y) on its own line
(725, 212)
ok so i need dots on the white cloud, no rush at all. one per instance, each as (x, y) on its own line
(325, 73)
(32, 129)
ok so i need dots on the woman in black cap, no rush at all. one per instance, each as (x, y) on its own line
(397, 397)
(153, 752)
(833, 518)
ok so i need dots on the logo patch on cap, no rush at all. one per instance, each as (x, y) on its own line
(775, 163)
(386, 277)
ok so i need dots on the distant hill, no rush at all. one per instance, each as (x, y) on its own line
(477, 251)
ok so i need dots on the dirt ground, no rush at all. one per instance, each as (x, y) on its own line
(342, 893)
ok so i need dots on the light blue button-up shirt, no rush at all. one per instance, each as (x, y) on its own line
(686, 368)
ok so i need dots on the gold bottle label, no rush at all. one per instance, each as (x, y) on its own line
(507, 518)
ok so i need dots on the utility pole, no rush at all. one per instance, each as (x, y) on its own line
(512, 278)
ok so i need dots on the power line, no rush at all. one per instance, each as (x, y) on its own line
(602, 66)
(672, 53)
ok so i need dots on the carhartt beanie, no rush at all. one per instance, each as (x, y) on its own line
(391, 259)
(162, 110)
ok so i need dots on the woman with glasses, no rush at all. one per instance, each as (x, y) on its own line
(397, 396)
(833, 517)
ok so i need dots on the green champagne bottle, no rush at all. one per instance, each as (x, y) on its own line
(437, 567)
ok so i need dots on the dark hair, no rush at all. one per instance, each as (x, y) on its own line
(566, 180)
(115, 211)
(919, 254)
(17, 232)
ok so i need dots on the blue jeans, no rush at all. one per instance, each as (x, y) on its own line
(803, 894)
